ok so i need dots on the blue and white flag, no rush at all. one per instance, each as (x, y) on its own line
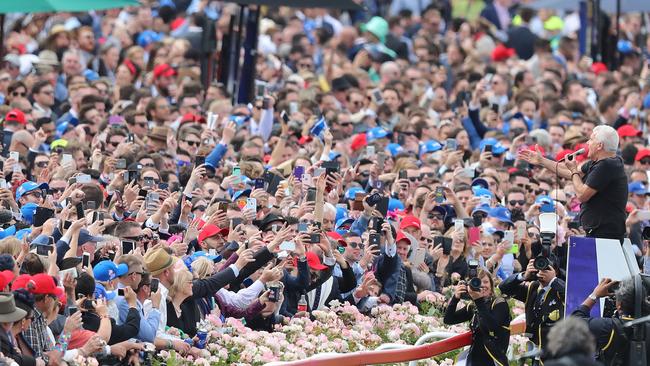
(318, 129)
(589, 261)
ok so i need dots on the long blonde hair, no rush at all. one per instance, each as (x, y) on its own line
(180, 281)
(202, 267)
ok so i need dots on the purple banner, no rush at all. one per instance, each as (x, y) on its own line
(582, 274)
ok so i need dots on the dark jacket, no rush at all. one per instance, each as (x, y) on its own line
(10, 351)
(541, 314)
(190, 315)
(573, 360)
(523, 41)
(490, 325)
(119, 333)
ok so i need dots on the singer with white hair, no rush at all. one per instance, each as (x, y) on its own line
(600, 183)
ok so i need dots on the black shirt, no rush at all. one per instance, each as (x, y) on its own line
(604, 213)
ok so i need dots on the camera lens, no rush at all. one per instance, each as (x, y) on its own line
(541, 263)
(475, 284)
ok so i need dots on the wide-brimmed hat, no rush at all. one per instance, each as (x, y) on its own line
(158, 133)
(9, 313)
(158, 260)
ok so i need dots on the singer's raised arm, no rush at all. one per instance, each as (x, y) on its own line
(536, 158)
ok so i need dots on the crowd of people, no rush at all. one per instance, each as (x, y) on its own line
(388, 154)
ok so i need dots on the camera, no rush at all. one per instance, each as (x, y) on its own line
(547, 225)
(473, 282)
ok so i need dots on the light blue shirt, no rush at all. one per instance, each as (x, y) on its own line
(148, 325)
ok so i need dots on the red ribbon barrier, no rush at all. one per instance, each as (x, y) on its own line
(399, 355)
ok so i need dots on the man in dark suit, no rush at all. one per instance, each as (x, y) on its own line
(543, 294)
(521, 38)
(498, 13)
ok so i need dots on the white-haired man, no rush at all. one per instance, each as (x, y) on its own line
(600, 183)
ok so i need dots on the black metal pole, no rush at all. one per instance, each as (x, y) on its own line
(236, 52)
(247, 78)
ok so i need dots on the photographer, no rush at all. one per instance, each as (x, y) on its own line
(489, 318)
(570, 343)
(612, 342)
(543, 295)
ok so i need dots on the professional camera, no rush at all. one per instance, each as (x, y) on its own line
(473, 282)
(547, 227)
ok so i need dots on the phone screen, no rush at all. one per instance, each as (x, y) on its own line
(85, 260)
(127, 246)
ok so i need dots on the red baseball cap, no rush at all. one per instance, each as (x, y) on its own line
(163, 70)
(192, 118)
(20, 282)
(43, 284)
(314, 262)
(628, 131)
(643, 153)
(358, 141)
(598, 67)
(410, 221)
(211, 230)
(502, 53)
(402, 236)
(16, 115)
(338, 237)
(6, 277)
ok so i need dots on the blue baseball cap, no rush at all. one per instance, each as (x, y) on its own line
(394, 149)
(41, 240)
(148, 37)
(546, 202)
(341, 212)
(91, 75)
(11, 230)
(246, 192)
(344, 221)
(351, 192)
(480, 182)
(497, 148)
(85, 237)
(101, 293)
(429, 147)
(20, 234)
(637, 187)
(334, 155)
(481, 192)
(395, 204)
(28, 187)
(27, 212)
(500, 213)
(107, 270)
(198, 254)
(376, 133)
(482, 208)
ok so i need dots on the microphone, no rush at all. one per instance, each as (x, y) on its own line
(570, 157)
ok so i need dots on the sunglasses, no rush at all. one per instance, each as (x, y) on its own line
(436, 217)
(18, 94)
(41, 164)
(414, 179)
(182, 163)
(645, 161)
(192, 143)
(345, 124)
(408, 133)
(354, 245)
(114, 143)
(56, 190)
(427, 175)
(517, 202)
(305, 66)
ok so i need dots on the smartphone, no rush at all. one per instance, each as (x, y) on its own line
(14, 155)
(223, 206)
(163, 186)
(299, 172)
(120, 292)
(284, 116)
(64, 272)
(311, 194)
(44, 250)
(374, 239)
(258, 183)
(67, 224)
(274, 294)
(459, 225)
(293, 107)
(469, 172)
(127, 246)
(303, 227)
(154, 285)
(381, 162)
(85, 260)
(289, 246)
(370, 151)
(120, 164)
(514, 249)
(439, 194)
(236, 171)
(382, 206)
(80, 211)
(487, 148)
(473, 235)
(314, 238)
(376, 95)
(251, 204)
(130, 138)
(418, 256)
(3, 183)
(485, 200)
(488, 79)
(83, 178)
(451, 144)
(403, 174)
(260, 90)
(520, 232)
(199, 160)
(72, 310)
(41, 215)
(509, 236)
(236, 221)
(445, 242)
(495, 108)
